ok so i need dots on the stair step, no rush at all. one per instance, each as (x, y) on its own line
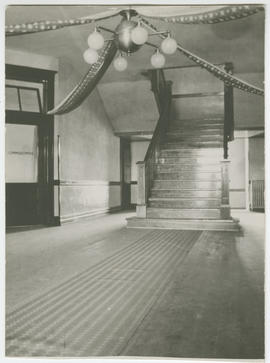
(187, 213)
(183, 224)
(176, 133)
(192, 152)
(188, 175)
(229, 225)
(187, 167)
(184, 203)
(187, 184)
(182, 193)
(192, 144)
(197, 121)
(186, 159)
(182, 140)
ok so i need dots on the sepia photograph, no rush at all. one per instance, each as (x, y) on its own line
(134, 176)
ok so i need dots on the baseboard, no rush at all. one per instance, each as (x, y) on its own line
(96, 212)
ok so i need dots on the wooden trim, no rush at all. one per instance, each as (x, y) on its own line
(202, 94)
(68, 183)
(246, 128)
(96, 212)
(22, 73)
(132, 133)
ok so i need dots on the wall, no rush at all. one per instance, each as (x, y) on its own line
(131, 105)
(138, 151)
(90, 154)
(256, 158)
(249, 108)
(237, 173)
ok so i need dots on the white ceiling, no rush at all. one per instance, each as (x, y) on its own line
(238, 41)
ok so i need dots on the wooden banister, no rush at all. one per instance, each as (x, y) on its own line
(146, 168)
(228, 112)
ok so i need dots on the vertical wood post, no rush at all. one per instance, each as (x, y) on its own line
(225, 211)
(141, 191)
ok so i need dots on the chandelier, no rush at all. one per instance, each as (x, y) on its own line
(133, 32)
(129, 36)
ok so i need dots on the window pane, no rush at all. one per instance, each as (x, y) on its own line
(21, 153)
(29, 100)
(12, 101)
(29, 97)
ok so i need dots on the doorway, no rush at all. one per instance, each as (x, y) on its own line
(29, 146)
(125, 162)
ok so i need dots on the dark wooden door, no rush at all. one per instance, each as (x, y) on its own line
(125, 173)
(29, 146)
(28, 142)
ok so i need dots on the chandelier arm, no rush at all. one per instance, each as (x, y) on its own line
(151, 45)
(216, 71)
(106, 29)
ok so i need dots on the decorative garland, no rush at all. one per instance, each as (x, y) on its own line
(41, 26)
(88, 83)
(216, 71)
(223, 14)
(217, 15)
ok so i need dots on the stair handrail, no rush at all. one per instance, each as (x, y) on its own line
(228, 112)
(146, 168)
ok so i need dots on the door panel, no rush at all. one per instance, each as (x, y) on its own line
(21, 153)
(22, 207)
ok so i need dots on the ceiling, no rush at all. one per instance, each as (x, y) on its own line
(239, 41)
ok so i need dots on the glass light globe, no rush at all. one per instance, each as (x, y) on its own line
(95, 40)
(90, 56)
(158, 60)
(139, 35)
(120, 64)
(169, 45)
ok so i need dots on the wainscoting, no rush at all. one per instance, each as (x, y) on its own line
(85, 198)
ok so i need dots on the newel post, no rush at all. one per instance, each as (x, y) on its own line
(141, 190)
(225, 211)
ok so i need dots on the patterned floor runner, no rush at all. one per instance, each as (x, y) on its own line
(96, 312)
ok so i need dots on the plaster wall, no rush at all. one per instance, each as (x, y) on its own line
(131, 105)
(90, 153)
(237, 173)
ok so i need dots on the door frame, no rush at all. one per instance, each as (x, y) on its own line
(45, 124)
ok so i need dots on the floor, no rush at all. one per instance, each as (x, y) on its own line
(95, 288)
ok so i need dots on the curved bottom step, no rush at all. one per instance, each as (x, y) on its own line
(228, 225)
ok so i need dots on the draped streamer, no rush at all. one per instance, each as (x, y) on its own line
(217, 14)
(172, 14)
(229, 79)
(75, 98)
(41, 26)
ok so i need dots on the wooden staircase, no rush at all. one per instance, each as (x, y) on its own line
(185, 178)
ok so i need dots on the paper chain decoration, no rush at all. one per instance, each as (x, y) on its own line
(220, 14)
(223, 14)
(97, 70)
(216, 71)
(41, 26)
(89, 81)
